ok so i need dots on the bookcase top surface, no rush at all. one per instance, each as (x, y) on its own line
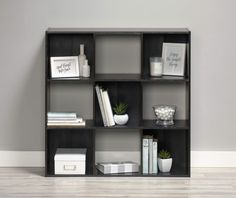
(118, 30)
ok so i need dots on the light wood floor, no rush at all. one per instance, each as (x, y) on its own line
(205, 182)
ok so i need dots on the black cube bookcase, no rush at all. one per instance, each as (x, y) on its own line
(122, 87)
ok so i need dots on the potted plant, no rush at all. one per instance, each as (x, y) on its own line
(164, 161)
(121, 117)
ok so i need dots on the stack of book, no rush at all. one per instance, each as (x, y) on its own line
(117, 167)
(149, 153)
(105, 106)
(64, 119)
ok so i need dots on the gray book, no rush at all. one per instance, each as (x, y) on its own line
(145, 155)
(154, 156)
(150, 151)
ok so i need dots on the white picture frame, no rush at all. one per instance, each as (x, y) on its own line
(64, 67)
(173, 55)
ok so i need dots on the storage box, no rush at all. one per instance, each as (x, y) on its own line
(117, 167)
(70, 161)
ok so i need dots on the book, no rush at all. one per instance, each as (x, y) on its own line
(104, 106)
(66, 120)
(66, 123)
(61, 115)
(108, 108)
(150, 140)
(154, 156)
(117, 167)
(145, 155)
(101, 105)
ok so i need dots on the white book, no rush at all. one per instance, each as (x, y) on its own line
(150, 140)
(108, 108)
(65, 121)
(154, 156)
(117, 167)
(105, 108)
(101, 105)
(61, 115)
(145, 155)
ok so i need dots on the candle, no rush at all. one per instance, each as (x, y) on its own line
(156, 66)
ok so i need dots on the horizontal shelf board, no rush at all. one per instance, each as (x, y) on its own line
(117, 77)
(74, 175)
(75, 79)
(128, 126)
(172, 173)
(146, 124)
(117, 30)
(89, 125)
(122, 78)
(178, 124)
(164, 78)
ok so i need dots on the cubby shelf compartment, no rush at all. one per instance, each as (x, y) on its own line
(67, 138)
(121, 91)
(134, 86)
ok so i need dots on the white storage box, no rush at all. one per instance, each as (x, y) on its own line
(118, 167)
(70, 161)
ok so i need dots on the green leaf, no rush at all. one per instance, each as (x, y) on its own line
(164, 154)
(120, 108)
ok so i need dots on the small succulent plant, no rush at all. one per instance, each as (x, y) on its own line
(120, 108)
(164, 154)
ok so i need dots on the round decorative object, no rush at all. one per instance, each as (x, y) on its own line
(121, 119)
(164, 114)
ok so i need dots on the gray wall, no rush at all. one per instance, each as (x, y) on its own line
(22, 26)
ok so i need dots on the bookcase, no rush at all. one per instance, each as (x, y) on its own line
(136, 87)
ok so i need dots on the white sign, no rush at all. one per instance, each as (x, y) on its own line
(173, 55)
(62, 67)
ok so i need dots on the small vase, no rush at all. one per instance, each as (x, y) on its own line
(81, 58)
(121, 119)
(164, 165)
(86, 69)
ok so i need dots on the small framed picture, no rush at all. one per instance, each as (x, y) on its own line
(64, 67)
(173, 55)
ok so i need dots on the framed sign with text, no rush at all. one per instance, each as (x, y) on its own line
(64, 67)
(173, 55)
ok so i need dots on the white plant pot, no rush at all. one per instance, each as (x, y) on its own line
(121, 119)
(164, 164)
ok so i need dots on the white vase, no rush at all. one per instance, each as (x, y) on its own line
(121, 119)
(81, 58)
(86, 69)
(164, 164)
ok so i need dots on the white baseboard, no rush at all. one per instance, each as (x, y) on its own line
(198, 158)
(22, 158)
(213, 158)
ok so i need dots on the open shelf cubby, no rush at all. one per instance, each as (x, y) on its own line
(119, 60)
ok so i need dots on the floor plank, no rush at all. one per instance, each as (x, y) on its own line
(205, 182)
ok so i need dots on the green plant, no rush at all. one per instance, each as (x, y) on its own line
(120, 108)
(164, 154)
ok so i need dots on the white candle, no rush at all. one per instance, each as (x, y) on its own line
(156, 66)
